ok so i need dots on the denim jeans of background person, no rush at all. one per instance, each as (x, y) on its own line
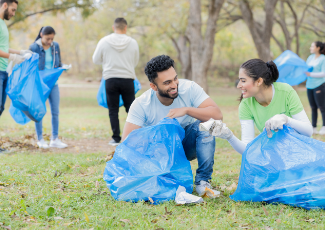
(49, 58)
(119, 55)
(185, 101)
(3, 85)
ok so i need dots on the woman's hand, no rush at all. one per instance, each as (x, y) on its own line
(308, 74)
(217, 128)
(275, 123)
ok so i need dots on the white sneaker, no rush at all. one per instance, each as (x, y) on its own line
(42, 144)
(315, 131)
(322, 131)
(57, 143)
(204, 189)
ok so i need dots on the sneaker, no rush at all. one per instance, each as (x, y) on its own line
(57, 143)
(114, 143)
(315, 131)
(204, 189)
(42, 144)
(322, 131)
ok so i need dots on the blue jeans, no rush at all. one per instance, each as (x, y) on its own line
(3, 94)
(200, 145)
(54, 100)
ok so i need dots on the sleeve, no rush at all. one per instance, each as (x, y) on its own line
(136, 61)
(198, 95)
(97, 56)
(244, 112)
(301, 124)
(294, 104)
(323, 66)
(136, 114)
(318, 75)
(60, 60)
(247, 131)
(32, 47)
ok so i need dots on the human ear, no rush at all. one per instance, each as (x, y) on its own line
(153, 86)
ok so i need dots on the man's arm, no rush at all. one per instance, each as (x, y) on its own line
(128, 128)
(4, 54)
(97, 56)
(206, 110)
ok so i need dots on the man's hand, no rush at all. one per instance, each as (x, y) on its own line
(16, 58)
(275, 123)
(179, 112)
(23, 52)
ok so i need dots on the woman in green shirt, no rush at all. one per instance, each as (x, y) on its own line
(265, 103)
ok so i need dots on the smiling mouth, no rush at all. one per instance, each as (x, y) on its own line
(173, 91)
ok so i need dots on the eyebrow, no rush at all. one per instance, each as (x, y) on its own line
(169, 80)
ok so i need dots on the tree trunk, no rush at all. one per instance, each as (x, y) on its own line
(261, 34)
(184, 55)
(202, 47)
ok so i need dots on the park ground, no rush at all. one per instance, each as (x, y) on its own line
(64, 189)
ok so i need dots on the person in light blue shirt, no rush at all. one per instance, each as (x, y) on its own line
(188, 103)
(316, 83)
(49, 58)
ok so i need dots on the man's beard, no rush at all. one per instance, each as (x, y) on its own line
(165, 94)
(6, 14)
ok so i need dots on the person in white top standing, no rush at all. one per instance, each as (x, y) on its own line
(119, 55)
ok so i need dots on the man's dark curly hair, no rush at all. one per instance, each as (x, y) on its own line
(158, 64)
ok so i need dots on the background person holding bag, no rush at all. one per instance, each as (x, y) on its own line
(316, 83)
(49, 58)
(265, 103)
(119, 55)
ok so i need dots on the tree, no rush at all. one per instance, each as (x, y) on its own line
(261, 33)
(33, 7)
(201, 48)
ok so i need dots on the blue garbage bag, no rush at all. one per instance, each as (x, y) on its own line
(48, 80)
(151, 162)
(101, 95)
(288, 168)
(25, 89)
(291, 68)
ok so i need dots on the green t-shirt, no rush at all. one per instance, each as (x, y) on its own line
(285, 101)
(4, 44)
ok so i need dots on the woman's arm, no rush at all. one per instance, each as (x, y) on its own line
(316, 75)
(301, 124)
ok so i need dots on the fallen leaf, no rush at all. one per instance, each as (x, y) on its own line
(86, 217)
(58, 218)
(167, 213)
(97, 184)
(280, 212)
(154, 221)
(265, 211)
(125, 220)
(67, 224)
(151, 200)
(290, 214)
(310, 220)
(6, 227)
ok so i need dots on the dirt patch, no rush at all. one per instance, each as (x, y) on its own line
(28, 143)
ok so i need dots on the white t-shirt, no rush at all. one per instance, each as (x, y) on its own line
(147, 110)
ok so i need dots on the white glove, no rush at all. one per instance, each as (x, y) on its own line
(216, 128)
(16, 58)
(275, 123)
(23, 52)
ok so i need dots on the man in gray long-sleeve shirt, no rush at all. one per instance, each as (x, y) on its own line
(119, 55)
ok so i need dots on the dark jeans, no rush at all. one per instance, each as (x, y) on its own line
(3, 85)
(114, 88)
(201, 146)
(316, 99)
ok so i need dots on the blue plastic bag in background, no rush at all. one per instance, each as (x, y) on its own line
(25, 89)
(291, 68)
(48, 80)
(288, 168)
(101, 95)
(151, 162)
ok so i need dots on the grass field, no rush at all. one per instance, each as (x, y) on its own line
(65, 190)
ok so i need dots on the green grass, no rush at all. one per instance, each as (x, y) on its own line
(32, 197)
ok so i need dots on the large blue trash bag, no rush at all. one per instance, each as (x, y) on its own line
(49, 79)
(151, 162)
(101, 95)
(25, 89)
(288, 168)
(291, 68)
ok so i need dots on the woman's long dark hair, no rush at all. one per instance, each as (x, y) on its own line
(45, 31)
(321, 46)
(257, 68)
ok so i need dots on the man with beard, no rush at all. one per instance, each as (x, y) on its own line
(188, 103)
(7, 10)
